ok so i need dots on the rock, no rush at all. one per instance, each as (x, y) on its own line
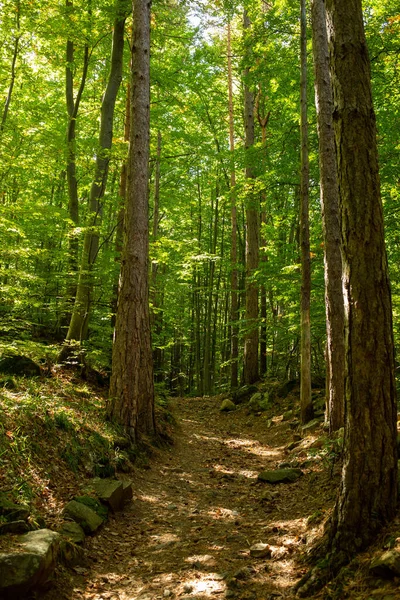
(280, 476)
(260, 551)
(244, 393)
(227, 406)
(83, 515)
(73, 532)
(14, 527)
(30, 564)
(127, 491)
(110, 492)
(19, 365)
(258, 402)
(12, 511)
(94, 504)
(387, 565)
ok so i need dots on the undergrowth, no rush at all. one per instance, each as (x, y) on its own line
(53, 435)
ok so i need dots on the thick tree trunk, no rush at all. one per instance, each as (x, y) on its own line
(131, 400)
(234, 272)
(306, 407)
(331, 222)
(250, 372)
(368, 491)
(78, 327)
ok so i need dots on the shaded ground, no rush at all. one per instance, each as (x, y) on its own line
(197, 511)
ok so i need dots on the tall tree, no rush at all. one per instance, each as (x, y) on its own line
(79, 323)
(335, 351)
(306, 408)
(131, 401)
(73, 104)
(17, 37)
(250, 368)
(368, 491)
(234, 271)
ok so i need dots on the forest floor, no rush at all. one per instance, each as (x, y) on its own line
(198, 509)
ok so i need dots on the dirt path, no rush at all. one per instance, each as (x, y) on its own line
(197, 511)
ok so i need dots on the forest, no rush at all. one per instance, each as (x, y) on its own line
(199, 202)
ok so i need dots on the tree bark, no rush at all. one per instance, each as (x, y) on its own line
(368, 491)
(335, 351)
(131, 401)
(252, 234)
(306, 407)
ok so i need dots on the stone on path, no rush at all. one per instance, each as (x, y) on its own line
(244, 393)
(29, 564)
(109, 491)
(387, 565)
(83, 515)
(227, 406)
(260, 551)
(127, 491)
(73, 531)
(280, 476)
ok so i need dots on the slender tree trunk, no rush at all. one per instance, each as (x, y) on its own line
(78, 327)
(306, 408)
(17, 37)
(119, 232)
(156, 325)
(72, 183)
(234, 272)
(263, 122)
(131, 400)
(335, 351)
(252, 234)
(209, 305)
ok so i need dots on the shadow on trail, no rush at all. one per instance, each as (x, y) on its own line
(197, 513)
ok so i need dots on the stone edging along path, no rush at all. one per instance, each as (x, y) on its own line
(30, 559)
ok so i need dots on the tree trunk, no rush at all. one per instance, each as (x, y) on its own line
(234, 272)
(131, 400)
(331, 222)
(252, 234)
(78, 327)
(13, 63)
(306, 407)
(119, 231)
(368, 491)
